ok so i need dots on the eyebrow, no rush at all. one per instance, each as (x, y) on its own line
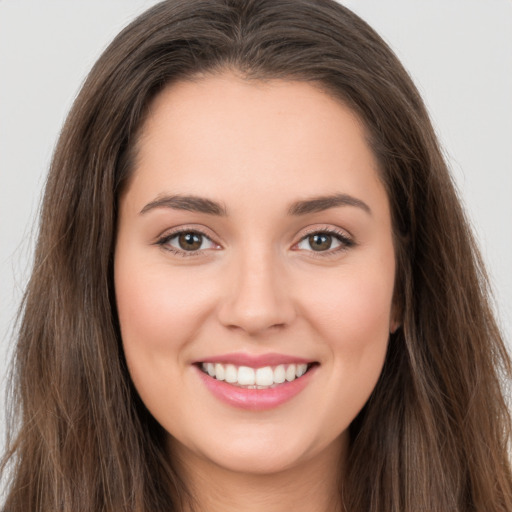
(298, 208)
(321, 203)
(188, 203)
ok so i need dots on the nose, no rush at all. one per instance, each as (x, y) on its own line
(258, 297)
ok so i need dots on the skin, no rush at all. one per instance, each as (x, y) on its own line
(258, 286)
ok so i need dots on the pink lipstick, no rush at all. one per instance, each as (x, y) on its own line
(255, 382)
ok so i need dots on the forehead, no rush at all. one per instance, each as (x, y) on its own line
(224, 135)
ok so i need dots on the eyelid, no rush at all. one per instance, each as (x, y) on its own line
(325, 228)
(163, 240)
(346, 239)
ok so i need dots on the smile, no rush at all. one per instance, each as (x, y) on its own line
(255, 378)
(255, 383)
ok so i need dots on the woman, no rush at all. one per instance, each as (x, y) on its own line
(254, 285)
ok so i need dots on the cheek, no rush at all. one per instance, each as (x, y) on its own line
(159, 314)
(352, 309)
(351, 315)
(351, 321)
(156, 306)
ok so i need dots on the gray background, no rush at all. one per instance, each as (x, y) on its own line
(459, 52)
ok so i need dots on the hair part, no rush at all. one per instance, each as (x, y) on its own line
(434, 435)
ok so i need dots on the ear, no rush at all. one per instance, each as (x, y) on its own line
(393, 327)
(394, 320)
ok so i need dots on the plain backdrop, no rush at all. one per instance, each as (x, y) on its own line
(459, 52)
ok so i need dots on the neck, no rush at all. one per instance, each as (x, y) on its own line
(313, 486)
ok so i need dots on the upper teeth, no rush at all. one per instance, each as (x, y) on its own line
(246, 376)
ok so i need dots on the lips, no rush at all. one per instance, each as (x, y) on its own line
(255, 361)
(258, 378)
(255, 382)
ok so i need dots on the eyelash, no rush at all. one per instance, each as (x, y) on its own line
(164, 241)
(345, 242)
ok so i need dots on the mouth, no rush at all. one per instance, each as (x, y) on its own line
(255, 382)
(265, 377)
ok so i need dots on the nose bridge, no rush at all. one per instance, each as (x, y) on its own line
(258, 297)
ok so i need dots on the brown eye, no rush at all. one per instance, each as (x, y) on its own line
(325, 241)
(190, 241)
(187, 243)
(320, 241)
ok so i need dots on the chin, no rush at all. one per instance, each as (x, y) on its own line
(252, 460)
(258, 453)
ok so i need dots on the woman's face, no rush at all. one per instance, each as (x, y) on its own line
(254, 243)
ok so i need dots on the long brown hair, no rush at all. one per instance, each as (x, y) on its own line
(434, 435)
